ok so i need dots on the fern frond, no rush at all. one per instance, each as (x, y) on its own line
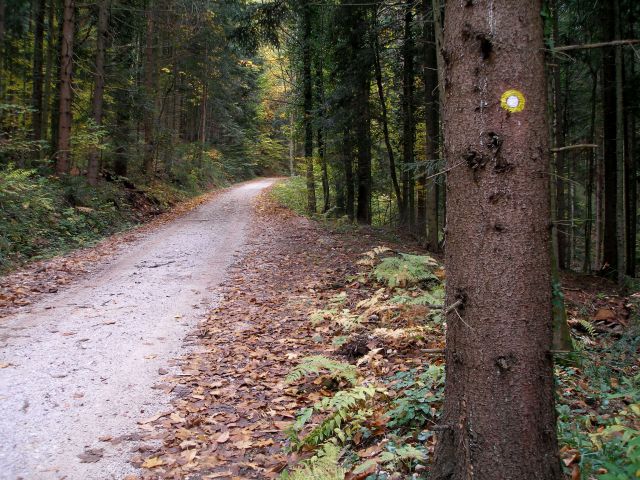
(588, 327)
(406, 269)
(343, 407)
(316, 364)
(324, 466)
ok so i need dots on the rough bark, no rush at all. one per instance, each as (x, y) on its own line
(63, 157)
(97, 99)
(308, 107)
(499, 416)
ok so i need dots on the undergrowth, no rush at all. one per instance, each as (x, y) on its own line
(42, 216)
(377, 422)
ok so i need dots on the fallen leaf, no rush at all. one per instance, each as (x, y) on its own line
(223, 437)
(219, 475)
(91, 455)
(154, 418)
(605, 314)
(152, 462)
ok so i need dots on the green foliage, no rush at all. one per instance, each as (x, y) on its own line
(43, 216)
(607, 436)
(323, 466)
(316, 364)
(343, 413)
(406, 269)
(292, 193)
(397, 457)
(419, 397)
(433, 297)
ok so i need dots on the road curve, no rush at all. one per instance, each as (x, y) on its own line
(82, 362)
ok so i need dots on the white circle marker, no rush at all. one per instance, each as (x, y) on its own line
(513, 101)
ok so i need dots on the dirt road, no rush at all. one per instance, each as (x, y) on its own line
(82, 363)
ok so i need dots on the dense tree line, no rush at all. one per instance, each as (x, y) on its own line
(115, 88)
(377, 72)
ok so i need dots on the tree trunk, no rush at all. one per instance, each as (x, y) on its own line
(408, 121)
(432, 119)
(38, 60)
(599, 227)
(55, 110)
(385, 129)
(3, 8)
(609, 241)
(499, 417)
(591, 162)
(149, 114)
(631, 186)
(308, 107)
(63, 158)
(98, 88)
(559, 136)
(347, 162)
(326, 199)
(48, 70)
(363, 58)
(621, 235)
(292, 146)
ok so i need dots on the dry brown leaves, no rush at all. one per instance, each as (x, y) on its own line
(232, 405)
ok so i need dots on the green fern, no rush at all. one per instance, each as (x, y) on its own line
(345, 412)
(404, 455)
(588, 327)
(323, 466)
(317, 364)
(422, 299)
(405, 269)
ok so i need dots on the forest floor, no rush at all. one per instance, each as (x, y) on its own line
(228, 405)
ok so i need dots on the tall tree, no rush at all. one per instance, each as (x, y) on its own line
(97, 99)
(38, 60)
(408, 120)
(149, 72)
(432, 119)
(610, 174)
(359, 18)
(308, 106)
(63, 158)
(499, 416)
(385, 127)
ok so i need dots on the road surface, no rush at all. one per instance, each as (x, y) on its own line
(82, 363)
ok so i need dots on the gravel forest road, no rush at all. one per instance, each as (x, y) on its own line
(80, 364)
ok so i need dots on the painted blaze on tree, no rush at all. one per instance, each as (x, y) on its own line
(499, 419)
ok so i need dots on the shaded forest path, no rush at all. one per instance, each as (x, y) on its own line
(81, 365)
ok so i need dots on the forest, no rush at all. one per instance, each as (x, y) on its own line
(448, 242)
